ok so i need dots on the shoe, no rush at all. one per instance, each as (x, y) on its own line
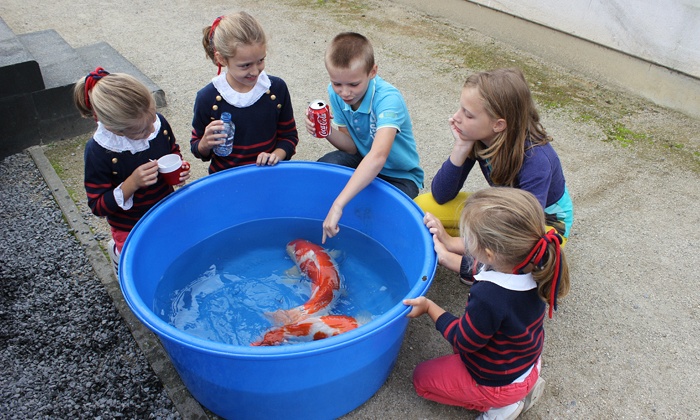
(534, 395)
(113, 256)
(509, 412)
(466, 282)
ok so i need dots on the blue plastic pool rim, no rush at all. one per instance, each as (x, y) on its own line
(162, 328)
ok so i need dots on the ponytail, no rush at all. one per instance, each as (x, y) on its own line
(550, 270)
(208, 41)
(82, 90)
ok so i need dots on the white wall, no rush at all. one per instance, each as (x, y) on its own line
(665, 32)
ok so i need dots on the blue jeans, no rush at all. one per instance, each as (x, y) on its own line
(338, 157)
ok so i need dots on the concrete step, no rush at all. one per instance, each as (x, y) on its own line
(19, 71)
(61, 67)
(34, 113)
(60, 64)
(103, 55)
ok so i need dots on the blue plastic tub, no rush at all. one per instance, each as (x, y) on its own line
(318, 380)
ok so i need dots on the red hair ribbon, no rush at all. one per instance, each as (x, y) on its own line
(90, 81)
(539, 251)
(211, 38)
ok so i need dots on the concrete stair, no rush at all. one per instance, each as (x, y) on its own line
(37, 74)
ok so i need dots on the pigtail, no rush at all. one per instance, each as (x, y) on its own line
(550, 270)
(553, 277)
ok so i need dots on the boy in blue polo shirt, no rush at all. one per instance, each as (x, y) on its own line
(372, 129)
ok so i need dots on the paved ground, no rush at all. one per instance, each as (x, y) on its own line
(624, 343)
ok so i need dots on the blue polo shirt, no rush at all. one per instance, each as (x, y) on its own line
(382, 106)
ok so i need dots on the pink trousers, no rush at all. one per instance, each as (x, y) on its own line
(119, 237)
(446, 380)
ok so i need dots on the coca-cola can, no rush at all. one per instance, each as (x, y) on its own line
(320, 113)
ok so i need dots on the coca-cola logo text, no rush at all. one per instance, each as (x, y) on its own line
(322, 123)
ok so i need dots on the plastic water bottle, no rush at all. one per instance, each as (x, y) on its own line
(224, 149)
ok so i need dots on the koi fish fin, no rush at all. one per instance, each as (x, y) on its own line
(364, 317)
(337, 255)
(294, 272)
(286, 316)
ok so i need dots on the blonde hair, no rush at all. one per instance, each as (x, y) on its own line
(116, 100)
(510, 222)
(231, 32)
(506, 95)
(347, 47)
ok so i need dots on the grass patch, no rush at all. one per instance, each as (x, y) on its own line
(624, 136)
(66, 158)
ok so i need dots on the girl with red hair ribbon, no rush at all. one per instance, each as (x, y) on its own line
(259, 104)
(121, 168)
(498, 341)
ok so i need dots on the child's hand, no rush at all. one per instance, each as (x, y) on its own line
(440, 249)
(330, 225)
(184, 174)
(422, 305)
(446, 257)
(269, 159)
(458, 135)
(435, 227)
(462, 146)
(145, 175)
(310, 125)
(419, 306)
(212, 136)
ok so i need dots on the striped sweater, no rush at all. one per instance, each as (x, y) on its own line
(264, 126)
(501, 334)
(105, 170)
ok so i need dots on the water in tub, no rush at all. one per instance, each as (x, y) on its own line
(220, 288)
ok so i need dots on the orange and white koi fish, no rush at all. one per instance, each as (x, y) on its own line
(309, 329)
(317, 264)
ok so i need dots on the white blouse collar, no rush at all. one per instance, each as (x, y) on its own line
(116, 143)
(241, 100)
(517, 282)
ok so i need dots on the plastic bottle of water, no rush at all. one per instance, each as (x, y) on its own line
(225, 148)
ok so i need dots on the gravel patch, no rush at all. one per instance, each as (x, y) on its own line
(65, 351)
